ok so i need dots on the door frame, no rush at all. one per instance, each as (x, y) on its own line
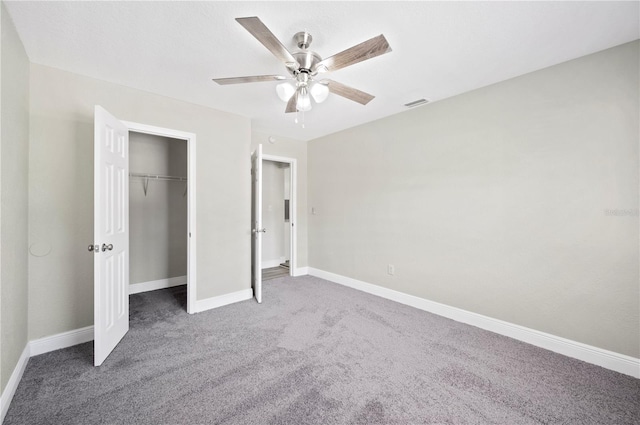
(191, 199)
(293, 203)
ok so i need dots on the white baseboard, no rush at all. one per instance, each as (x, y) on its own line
(82, 335)
(301, 271)
(152, 285)
(222, 300)
(14, 380)
(588, 353)
(267, 264)
(61, 340)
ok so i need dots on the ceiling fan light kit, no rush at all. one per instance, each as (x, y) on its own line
(285, 91)
(304, 65)
(319, 92)
(304, 86)
(304, 100)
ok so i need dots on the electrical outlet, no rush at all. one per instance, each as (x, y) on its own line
(390, 269)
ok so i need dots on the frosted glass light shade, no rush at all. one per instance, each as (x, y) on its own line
(285, 91)
(320, 92)
(304, 100)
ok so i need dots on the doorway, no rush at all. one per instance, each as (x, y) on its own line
(283, 210)
(157, 214)
(182, 178)
(276, 199)
(112, 225)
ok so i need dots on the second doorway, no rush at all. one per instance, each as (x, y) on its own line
(277, 218)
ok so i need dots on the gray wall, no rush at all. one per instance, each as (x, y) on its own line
(158, 220)
(496, 201)
(273, 211)
(296, 149)
(14, 154)
(61, 191)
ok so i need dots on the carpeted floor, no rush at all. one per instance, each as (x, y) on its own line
(315, 353)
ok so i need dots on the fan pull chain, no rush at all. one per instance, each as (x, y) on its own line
(297, 121)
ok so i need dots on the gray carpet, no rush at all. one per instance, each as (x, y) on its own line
(315, 353)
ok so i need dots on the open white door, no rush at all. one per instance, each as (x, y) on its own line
(256, 221)
(111, 233)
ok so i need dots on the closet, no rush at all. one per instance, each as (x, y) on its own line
(158, 217)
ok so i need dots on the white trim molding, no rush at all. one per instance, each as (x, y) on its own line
(152, 285)
(301, 271)
(587, 353)
(267, 264)
(61, 340)
(191, 199)
(34, 348)
(14, 380)
(222, 300)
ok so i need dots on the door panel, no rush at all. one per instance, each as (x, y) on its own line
(256, 221)
(111, 233)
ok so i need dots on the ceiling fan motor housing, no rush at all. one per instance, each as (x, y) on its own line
(307, 60)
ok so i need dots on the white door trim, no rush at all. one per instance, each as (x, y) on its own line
(293, 203)
(191, 199)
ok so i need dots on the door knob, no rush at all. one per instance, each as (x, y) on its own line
(106, 247)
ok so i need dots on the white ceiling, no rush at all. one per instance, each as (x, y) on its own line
(440, 49)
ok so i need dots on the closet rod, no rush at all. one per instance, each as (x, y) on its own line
(158, 177)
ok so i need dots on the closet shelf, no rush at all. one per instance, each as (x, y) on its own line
(158, 177)
(147, 177)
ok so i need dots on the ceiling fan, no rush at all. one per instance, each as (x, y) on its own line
(304, 66)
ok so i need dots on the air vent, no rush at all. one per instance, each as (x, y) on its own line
(416, 103)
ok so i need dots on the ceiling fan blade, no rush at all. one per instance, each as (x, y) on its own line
(371, 48)
(260, 31)
(348, 92)
(252, 79)
(292, 104)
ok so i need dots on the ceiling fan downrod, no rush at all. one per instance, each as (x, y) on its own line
(303, 39)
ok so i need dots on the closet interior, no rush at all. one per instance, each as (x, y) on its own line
(158, 219)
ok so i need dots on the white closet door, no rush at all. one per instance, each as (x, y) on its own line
(111, 233)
